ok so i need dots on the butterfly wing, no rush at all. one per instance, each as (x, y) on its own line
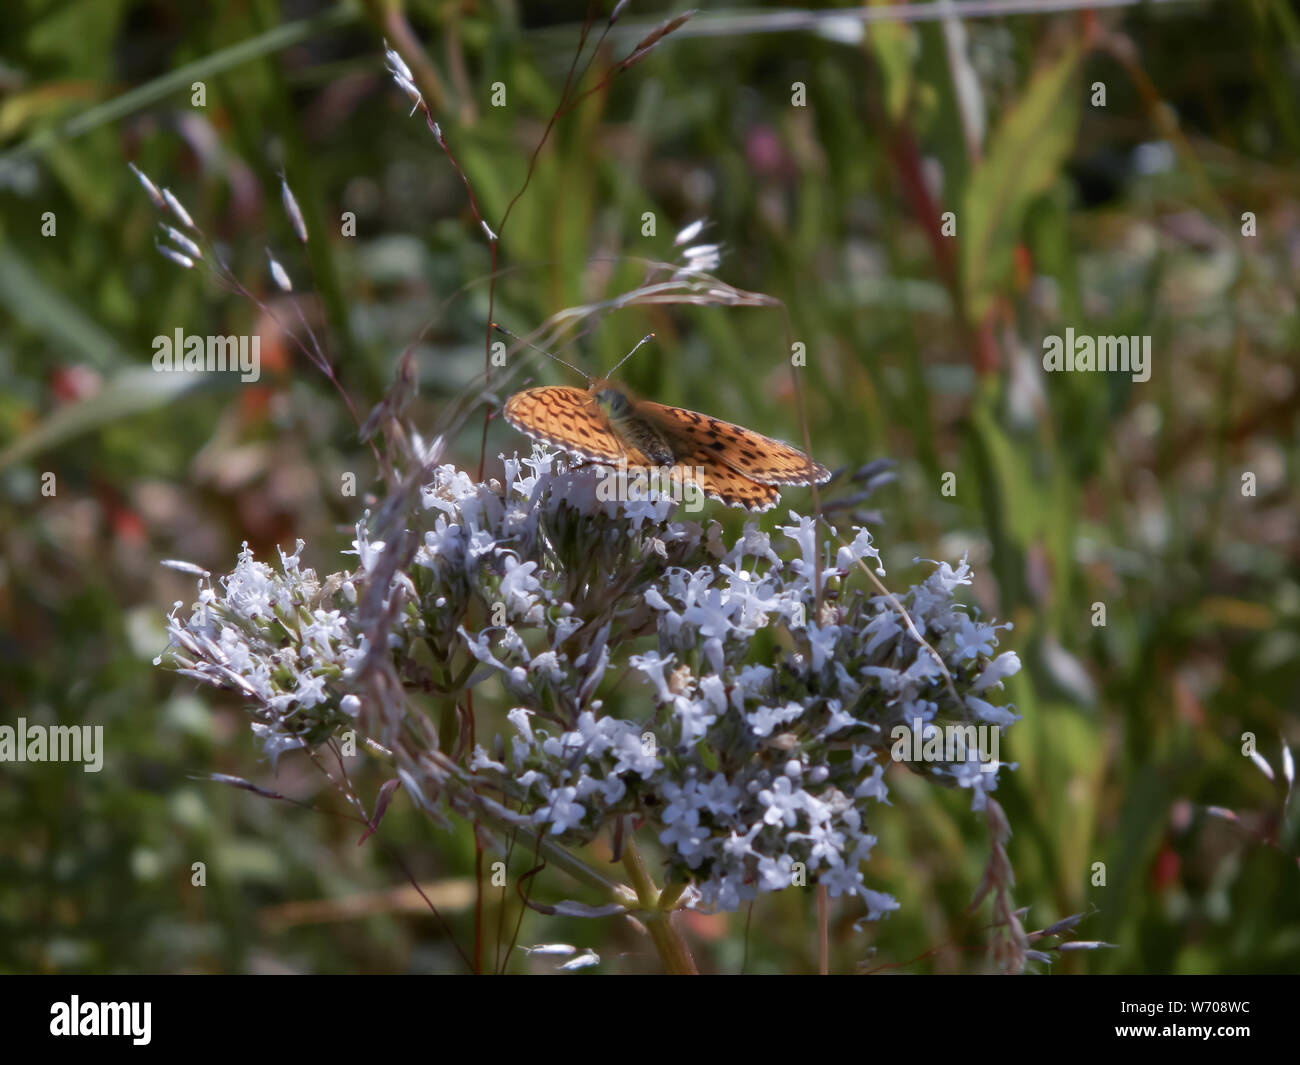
(719, 481)
(735, 465)
(750, 454)
(565, 418)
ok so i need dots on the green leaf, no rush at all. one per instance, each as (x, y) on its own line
(1024, 155)
(893, 44)
(180, 80)
(52, 314)
(127, 393)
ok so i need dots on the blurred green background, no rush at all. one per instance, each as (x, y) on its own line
(1121, 216)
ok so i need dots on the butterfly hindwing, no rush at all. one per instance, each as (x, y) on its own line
(754, 456)
(565, 418)
(724, 484)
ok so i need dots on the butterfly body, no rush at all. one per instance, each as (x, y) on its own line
(606, 424)
(635, 430)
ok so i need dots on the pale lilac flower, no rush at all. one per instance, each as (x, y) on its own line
(783, 802)
(1005, 665)
(562, 812)
(766, 718)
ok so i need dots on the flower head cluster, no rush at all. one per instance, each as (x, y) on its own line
(738, 699)
(280, 639)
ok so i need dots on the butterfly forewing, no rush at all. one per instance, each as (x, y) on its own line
(565, 418)
(752, 455)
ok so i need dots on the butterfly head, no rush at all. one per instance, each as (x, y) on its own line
(613, 401)
(637, 432)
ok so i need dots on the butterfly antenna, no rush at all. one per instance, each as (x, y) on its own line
(503, 329)
(648, 336)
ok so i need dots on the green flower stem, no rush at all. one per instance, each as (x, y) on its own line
(658, 914)
(655, 908)
(670, 894)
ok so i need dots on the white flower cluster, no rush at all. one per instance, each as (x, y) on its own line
(759, 744)
(280, 640)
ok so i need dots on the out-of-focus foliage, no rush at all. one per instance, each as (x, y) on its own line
(1169, 210)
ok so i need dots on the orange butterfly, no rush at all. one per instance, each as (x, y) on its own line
(606, 424)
